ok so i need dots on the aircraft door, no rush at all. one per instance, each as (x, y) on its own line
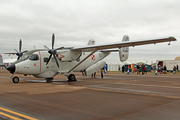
(35, 64)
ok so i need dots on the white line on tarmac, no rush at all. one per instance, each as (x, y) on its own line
(149, 85)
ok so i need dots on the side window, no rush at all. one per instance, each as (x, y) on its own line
(45, 59)
(34, 57)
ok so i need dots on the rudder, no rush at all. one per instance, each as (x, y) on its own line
(124, 52)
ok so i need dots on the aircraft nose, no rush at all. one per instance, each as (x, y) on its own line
(11, 68)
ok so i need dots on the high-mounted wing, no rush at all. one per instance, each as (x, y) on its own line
(123, 44)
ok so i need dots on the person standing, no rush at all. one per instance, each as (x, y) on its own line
(159, 69)
(106, 68)
(132, 67)
(165, 70)
(93, 75)
(177, 68)
(102, 70)
(129, 68)
(119, 68)
(143, 69)
(123, 68)
(174, 70)
(138, 69)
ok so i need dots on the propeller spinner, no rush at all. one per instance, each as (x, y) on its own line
(53, 51)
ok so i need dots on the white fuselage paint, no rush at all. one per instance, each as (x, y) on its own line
(38, 68)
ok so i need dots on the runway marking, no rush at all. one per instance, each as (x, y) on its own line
(9, 116)
(15, 113)
(130, 90)
(149, 85)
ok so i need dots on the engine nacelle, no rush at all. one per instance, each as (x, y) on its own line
(68, 55)
(124, 52)
(95, 67)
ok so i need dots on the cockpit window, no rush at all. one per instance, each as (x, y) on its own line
(34, 57)
(25, 57)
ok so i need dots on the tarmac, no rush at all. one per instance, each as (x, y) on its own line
(118, 96)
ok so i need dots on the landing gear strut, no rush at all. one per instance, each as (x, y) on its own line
(49, 80)
(15, 79)
(72, 77)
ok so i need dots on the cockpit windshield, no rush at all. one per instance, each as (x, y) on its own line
(25, 57)
(34, 57)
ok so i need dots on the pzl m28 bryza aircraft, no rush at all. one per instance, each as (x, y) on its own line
(48, 63)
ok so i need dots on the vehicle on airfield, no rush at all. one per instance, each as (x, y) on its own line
(42, 63)
(168, 63)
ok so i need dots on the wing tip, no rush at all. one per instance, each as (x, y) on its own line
(172, 38)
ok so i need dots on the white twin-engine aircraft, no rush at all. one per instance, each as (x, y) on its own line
(41, 64)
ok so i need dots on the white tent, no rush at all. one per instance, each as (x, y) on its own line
(114, 66)
(9, 61)
(126, 63)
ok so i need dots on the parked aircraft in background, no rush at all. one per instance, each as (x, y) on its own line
(48, 63)
(1, 61)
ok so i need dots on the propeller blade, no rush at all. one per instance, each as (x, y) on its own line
(53, 38)
(49, 59)
(59, 48)
(46, 47)
(56, 60)
(16, 50)
(20, 45)
(18, 58)
(24, 51)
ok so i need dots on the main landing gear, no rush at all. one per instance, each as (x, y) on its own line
(71, 78)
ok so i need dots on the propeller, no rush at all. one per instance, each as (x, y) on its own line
(20, 54)
(52, 51)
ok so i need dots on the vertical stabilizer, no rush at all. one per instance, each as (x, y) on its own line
(91, 42)
(124, 52)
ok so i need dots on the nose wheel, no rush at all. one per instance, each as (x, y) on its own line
(15, 79)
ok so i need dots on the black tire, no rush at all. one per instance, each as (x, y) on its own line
(71, 77)
(15, 79)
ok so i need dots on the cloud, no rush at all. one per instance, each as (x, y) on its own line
(75, 22)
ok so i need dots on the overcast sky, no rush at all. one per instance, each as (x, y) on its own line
(74, 22)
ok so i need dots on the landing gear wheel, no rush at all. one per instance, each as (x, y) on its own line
(15, 79)
(72, 77)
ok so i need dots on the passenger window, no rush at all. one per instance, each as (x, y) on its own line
(34, 57)
(45, 59)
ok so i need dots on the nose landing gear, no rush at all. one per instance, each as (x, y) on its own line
(15, 79)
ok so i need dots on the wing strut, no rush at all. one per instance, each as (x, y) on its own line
(81, 62)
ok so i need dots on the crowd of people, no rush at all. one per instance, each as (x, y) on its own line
(143, 69)
(163, 70)
(133, 69)
(138, 69)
